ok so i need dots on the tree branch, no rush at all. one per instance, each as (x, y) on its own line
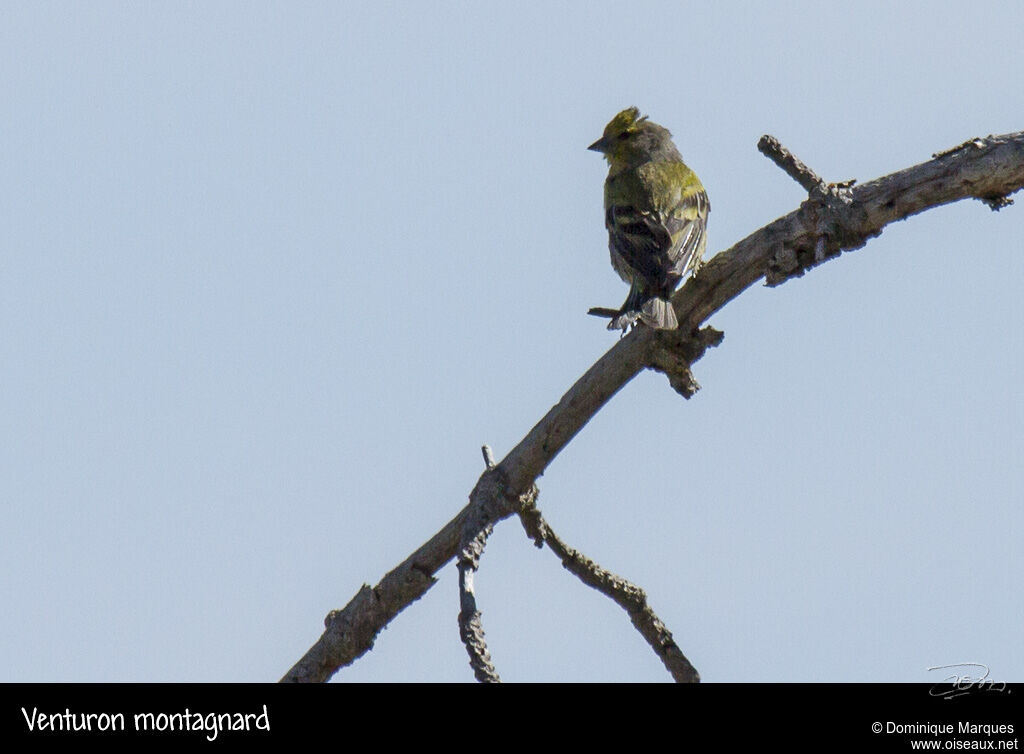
(626, 595)
(820, 229)
(771, 148)
(471, 628)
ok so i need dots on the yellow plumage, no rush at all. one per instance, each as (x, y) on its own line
(656, 214)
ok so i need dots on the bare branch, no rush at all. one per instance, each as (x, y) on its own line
(794, 168)
(674, 352)
(471, 628)
(989, 169)
(603, 311)
(629, 597)
(488, 456)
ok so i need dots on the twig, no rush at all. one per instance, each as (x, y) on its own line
(471, 628)
(771, 148)
(488, 456)
(629, 597)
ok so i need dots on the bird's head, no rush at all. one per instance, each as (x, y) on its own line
(630, 139)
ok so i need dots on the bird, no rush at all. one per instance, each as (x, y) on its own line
(656, 213)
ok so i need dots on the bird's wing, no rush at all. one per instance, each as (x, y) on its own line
(686, 223)
(640, 240)
(659, 247)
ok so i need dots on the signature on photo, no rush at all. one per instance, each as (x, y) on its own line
(963, 678)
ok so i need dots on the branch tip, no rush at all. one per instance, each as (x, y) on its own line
(811, 182)
(488, 456)
(471, 629)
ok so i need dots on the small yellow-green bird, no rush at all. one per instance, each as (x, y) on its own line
(656, 212)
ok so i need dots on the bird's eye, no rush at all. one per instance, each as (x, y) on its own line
(623, 136)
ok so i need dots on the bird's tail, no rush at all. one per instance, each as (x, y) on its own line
(658, 313)
(655, 312)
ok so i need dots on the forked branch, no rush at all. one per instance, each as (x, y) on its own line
(836, 218)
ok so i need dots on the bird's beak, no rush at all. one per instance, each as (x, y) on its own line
(598, 146)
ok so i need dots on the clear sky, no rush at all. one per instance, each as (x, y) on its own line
(271, 274)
